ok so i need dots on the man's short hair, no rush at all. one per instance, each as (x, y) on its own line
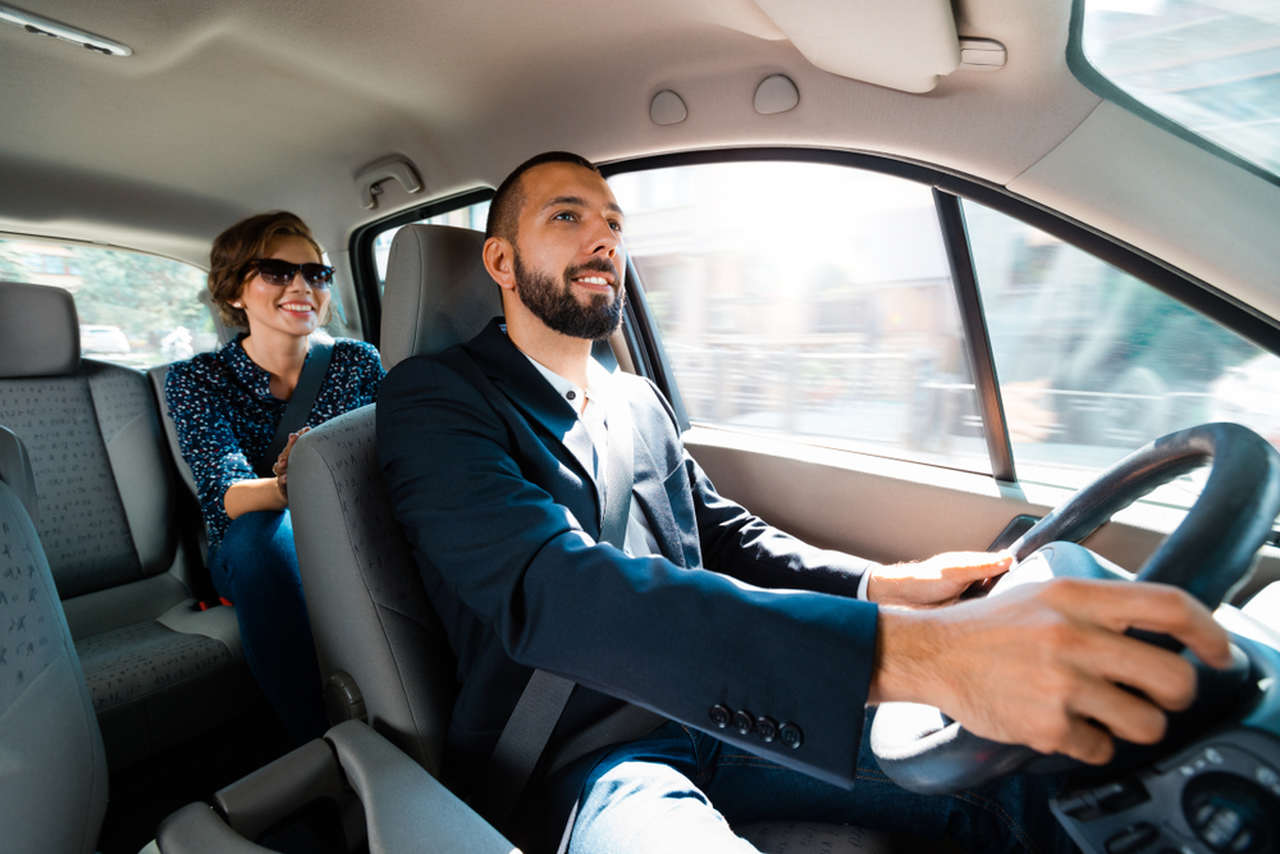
(504, 210)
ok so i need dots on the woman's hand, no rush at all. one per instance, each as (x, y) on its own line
(281, 466)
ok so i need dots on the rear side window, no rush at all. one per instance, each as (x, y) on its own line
(135, 309)
(809, 301)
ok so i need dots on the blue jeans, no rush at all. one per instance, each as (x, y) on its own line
(681, 790)
(256, 567)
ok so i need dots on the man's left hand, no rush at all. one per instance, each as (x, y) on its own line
(934, 582)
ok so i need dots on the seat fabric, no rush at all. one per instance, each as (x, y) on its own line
(369, 612)
(105, 482)
(53, 770)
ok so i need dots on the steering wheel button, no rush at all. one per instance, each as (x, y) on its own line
(1266, 776)
(1131, 839)
(791, 735)
(720, 715)
(1204, 814)
(1213, 755)
(744, 722)
(766, 728)
(1243, 841)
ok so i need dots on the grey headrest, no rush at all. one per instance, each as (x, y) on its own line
(15, 470)
(437, 293)
(39, 331)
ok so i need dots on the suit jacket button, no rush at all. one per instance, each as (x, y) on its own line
(720, 715)
(744, 721)
(766, 728)
(790, 735)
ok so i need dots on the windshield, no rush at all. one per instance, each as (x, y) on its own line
(1211, 67)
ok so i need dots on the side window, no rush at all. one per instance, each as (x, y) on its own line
(471, 216)
(135, 309)
(810, 301)
(1094, 363)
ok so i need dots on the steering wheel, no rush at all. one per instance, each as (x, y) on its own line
(1210, 551)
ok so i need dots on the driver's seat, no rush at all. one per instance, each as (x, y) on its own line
(382, 651)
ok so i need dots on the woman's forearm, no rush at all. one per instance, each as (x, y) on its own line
(246, 496)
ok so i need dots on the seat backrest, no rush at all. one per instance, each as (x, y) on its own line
(95, 443)
(53, 769)
(370, 614)
(437, 292)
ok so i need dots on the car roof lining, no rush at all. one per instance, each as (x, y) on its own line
(234, 106)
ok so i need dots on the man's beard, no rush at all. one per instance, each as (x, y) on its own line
(556, 306)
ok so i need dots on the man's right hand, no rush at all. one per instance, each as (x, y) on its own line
(1039, 665)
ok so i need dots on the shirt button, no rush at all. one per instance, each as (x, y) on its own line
(744, 721)
(766, 728)
(571, 394)
(720, 715)
(790, 735)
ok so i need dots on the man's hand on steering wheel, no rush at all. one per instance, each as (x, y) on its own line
(934, 582)
(1040, 665)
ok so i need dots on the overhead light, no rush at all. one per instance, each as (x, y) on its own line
(42, 26)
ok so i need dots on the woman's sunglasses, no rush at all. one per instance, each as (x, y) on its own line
(280, 273)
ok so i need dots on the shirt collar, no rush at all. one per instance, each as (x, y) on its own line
(598, 380)
(247, 372)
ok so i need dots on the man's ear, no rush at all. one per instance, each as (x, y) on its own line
(499, 261)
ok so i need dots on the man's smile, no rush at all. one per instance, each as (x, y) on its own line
(594, 282)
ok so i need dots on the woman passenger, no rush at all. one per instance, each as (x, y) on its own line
(266, 276)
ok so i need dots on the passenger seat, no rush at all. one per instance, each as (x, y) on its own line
(53, 773)
(159, 671)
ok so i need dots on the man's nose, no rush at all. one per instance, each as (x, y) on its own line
(604, 240)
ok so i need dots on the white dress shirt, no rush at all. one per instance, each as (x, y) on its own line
(639, 539)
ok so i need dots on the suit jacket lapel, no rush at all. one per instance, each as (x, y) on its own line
(651, 492)
(511, 373)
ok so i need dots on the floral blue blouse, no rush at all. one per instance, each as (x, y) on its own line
(226, 416)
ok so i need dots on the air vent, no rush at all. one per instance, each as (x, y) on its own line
(41, 26)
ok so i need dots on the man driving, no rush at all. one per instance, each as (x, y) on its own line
(581, 561)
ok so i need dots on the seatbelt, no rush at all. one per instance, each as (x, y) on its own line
(299, 406)
(529, 728)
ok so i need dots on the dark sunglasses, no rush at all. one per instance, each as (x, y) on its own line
(280, 273)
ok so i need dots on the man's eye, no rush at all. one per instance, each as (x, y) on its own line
(616, 226)
(566, 216)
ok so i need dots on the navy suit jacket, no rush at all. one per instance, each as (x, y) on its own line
(476, 451)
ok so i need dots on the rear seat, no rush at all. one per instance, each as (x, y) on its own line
(159, 671)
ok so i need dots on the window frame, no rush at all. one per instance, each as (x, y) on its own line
(949, 188)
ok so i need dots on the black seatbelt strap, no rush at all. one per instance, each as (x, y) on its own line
(299, 406)
(534, 718)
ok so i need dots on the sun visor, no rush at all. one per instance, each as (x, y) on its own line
(906, 44)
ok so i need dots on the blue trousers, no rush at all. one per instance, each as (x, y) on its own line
(256, 567)
(680, 790)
